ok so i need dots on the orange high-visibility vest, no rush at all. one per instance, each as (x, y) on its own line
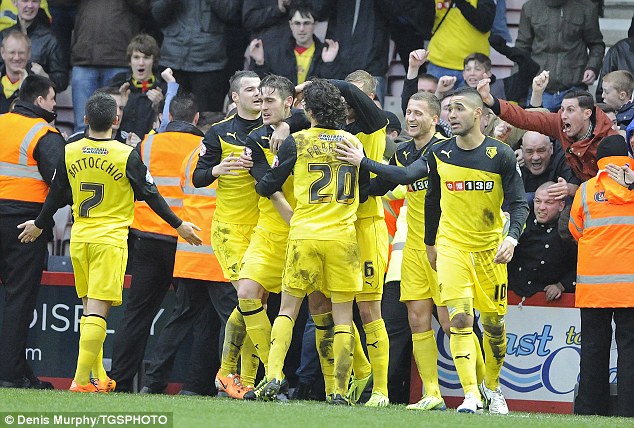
(602, 221)
(20, 179)
(163, 155)
(199, 205)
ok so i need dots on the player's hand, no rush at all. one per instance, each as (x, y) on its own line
(553, 291)
(589, 77)
(485, 91)
(505, 252)
(541, 81)
(132, 139)
(432, 255)
(155, 95)
(502, 131)
(30, 233)
(246, 159)
(348, 152)
(168, 75)
(228, 166)
(124, 91)
(520, 157)
(330, 51)
(559, 190)
(256, 51)
(187, 231)
(445, 84)
(621, 174)
(281, 133)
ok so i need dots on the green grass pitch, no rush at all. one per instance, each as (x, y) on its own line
(192, 412)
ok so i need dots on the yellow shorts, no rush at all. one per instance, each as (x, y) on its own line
(465, 274)
(373, 242)
(418, 280)
(264, 260)
(325, 266)
(99, 271)
(230, 242)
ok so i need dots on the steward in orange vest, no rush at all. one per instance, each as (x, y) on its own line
(30, 150)
(602, 221)
(202, 290)
(155, 241)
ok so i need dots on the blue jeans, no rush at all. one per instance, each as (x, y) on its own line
(500, 27)
(85, 81)
(438, 72)
(309, 367)
(552, 100)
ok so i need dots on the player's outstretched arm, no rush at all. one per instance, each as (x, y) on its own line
(275, 178)
(210, 156)
(282, 206)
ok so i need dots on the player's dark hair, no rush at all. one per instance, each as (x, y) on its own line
(585, 99)
(235, 82)
(430, 99)
(184, 107)
(110, 90)
(35, 86)
(323, 102)
(279, 84)
(471, 93)
(101, 111)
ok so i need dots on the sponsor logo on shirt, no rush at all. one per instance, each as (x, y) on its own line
(462, 186)
(94, 151)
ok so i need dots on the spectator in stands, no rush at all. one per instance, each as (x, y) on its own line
(47, 58)
(142, 88)
(427, 83)
(194, 45)
(563, 37)
(29, 160)
(9, 13)
(618, 93)
(15, 52)
(610, 112)
(601, 222)
(619, 57)
(544, 161)
(461, 28)
(364, 42)
(103, 30)
(579, 126)
(542, 260)
(302, 56)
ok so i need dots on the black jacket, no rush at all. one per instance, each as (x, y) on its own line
(619, 57)
(280, 59)
(138, 114)
(194, 32)
(365, 48)
(542, 258)
(48, 152)
(45, 49)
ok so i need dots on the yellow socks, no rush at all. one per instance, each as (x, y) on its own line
(91, 341)
(235, 332)
(258, 328)
(343, 347)
(249, 362)
(464, 357)
(494, 350)
(480, 367)
(360, 364)
(378, 345)
(324, 333)
(281, 336)
(426, 357)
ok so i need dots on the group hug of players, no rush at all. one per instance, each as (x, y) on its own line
(313, 200)
(304, 218)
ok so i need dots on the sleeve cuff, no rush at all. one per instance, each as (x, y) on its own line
(511, 240)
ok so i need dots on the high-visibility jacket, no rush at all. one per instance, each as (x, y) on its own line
(395, 206)
(602, 221)
(199, 205)
(20, 178)
(163, 154)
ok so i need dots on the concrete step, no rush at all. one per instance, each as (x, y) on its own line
(619, 9)
(614, 29)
